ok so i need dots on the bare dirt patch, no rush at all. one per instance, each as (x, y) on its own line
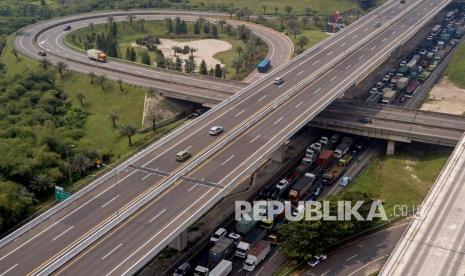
(445, 97)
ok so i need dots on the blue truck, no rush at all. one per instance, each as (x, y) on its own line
(264, 65)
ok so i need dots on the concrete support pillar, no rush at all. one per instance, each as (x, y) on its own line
(180, 242)
(279, 155)
(390, 147)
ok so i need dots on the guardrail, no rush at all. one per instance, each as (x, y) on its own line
(231, 136)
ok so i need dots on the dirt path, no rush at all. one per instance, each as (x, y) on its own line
(445, 97)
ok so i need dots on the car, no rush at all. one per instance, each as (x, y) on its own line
(324, 140)
(308, 161)
(265, 193)
(392, 72)
(387, 78)
(392, 85)
(220, 232)
(316, 147)
(379, 85)
(67, 28)
(435, 49)
(235, 237)
(283, 184)
(422, 52)
(278, 81)
(182, 269)
(402, 1)
(275, 193)
(345, 181)
(430, 37)
(215, 130)
(316, 260)
(374, 90)
(377, 24)
(42, 53)
(183, 155)
(403, 63)
(310, 154)
(365, 120)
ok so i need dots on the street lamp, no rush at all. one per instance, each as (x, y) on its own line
(69, 164)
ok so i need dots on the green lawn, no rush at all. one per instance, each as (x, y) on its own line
(314, 37)
(320, 6)
(127, 34)
(404, 178)
(456, 68)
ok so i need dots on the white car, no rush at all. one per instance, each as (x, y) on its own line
(345, 181)
(316, 147)
(282, 184)
(278, 81)
(216, 130)
(235, 237)
(324, 140)
(316, 260)
(221, 232)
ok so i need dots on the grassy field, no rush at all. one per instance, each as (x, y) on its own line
(456, 68)
(314, 37)
(320, 6)
(98, 128)
(128, 34)
(404, 178)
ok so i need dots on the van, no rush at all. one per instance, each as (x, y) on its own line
(183, 156)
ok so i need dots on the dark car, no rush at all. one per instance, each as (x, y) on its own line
(365, 120)
(42, 53)
(67, 28)
(265, 193)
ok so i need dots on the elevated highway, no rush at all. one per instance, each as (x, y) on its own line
(392, 123)
(126, 217)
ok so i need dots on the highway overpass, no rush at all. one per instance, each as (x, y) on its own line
(125, 218)
(392, 123)
(434, 242)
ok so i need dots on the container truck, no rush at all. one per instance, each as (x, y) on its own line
(243, 226)
(343, 147)
(332, 174)
(325, 158)
(374, 98)
(402, 83)
(221, 250)
(413, 62)
(411, 88)
(389, 97)
(257, 254)
(97, 55)
(264, 65)
(242, 250)
(222, 269)
(301, 188)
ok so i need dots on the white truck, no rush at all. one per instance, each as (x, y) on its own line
(389, 97)
(343, 147)
(201, 271)
(256, 255)
(222, 269)
(97, 55)
(242, 250)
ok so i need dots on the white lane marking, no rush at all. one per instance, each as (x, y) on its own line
(64, 232)
(333, 78)
(254, 139)
(353, 257)
(316, 91)
(300, 73)
(342, 45)
(277, 121)
(381, 244)
(384, 39)
(299, 104)
(326, 273)
(315, 62)
(108, 202)
(355, 36)
(191, 188)
(237, 115)
(362, 267)
(227, 160)
(159, 214)
(348, 66)
(8, 270)
(372, 48)
(113, 250)
(330, 53)
(360, 57)
(188, 148)
(147, 176)
(264, 96)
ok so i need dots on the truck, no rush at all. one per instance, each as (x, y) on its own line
(222, 269)
(97, 55)
(413, 62)
(264, 65)
(243, 226)
(374, 98)
(325, 158)
(389, 97)
(436, 29)
(301, 188)
(411, 88)
(402, 83)
(345, 160)
(255, 235)
(424, 76)
(201, 271)
(257, 254)
(343, 147)
(332, 174)
(221, 250)
(302, 168)
(403, 71)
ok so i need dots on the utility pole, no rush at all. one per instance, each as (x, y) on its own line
(69, 164)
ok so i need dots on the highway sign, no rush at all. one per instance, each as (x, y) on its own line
(60, 194)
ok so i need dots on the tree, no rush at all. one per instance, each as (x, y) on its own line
(317, 21)
(113, 117)
(61, 67)
(120, 84)
(45, 64)
(214, 31)
(239, 50)
(146, 58)
(178, 64)
(288, 9)
(203, 68)
(305, 21)
(264, 9)
(129, 131)
(92, 77)
(101, 79)
(161, 60)
(294, 27)
(211, 72)
(276, 11)
(303, 40)
(128, 53)
(197, 28)
(131, 18)
(80, 97)
(222, 22)
(91, 26)
(308, 11)
(81, 163)
(41, 183)
(206, 28)
(153, 115)
(132, 55)
(142, 23)
(218, 72)
(169, 25)
(237, 64)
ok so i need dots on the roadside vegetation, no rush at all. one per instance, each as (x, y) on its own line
(456, 69)
(138, 40)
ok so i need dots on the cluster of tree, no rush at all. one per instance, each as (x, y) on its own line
(39, 132)
(179, 27)
(217, 72)
(149, 41)
(300, 240)
(246, 58)
(184, 50)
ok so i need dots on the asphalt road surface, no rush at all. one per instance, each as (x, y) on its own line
(150, 228)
